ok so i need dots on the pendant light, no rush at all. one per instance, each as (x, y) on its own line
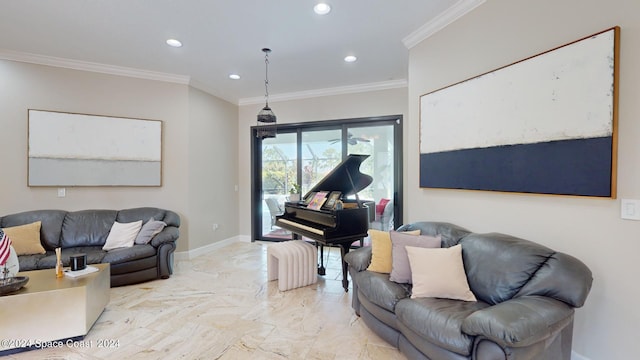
(266, 118)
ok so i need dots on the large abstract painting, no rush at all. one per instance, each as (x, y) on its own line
(89, 150)
(546, 124)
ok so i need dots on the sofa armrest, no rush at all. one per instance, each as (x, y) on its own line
(520, 321)
(359, 259)
(168, 234)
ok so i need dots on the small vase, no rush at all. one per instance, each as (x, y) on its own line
(294, 197)
(59, 272)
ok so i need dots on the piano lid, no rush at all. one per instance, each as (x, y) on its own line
(345, 177)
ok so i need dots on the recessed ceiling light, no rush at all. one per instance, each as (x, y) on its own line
(350, 58)
(234, 76)
(174, 43)
(322, 9)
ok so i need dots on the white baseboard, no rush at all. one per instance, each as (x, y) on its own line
(188, 255)
(576, 356)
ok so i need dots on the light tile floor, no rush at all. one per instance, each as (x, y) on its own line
(220, 306)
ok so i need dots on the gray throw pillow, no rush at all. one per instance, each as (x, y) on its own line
(401, 270)
(150, 229)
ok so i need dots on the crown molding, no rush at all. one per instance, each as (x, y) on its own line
(92, 67)
(438, 23)
(383, 85)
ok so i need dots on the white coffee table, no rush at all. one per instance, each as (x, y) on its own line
(50, 310)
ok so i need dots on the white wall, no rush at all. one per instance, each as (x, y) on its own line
(374, 103)
(498, 33)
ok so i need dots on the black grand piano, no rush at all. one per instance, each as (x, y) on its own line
(333, 226)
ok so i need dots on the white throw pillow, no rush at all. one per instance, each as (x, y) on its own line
(439, 273)
(122, 235)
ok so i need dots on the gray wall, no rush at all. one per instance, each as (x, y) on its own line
(193, 174)
(498, 33)
(213, 169)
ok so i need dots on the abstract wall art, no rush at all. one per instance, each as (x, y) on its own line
(67, 149)
(546, 124)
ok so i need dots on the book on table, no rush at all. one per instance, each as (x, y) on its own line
(74, 274)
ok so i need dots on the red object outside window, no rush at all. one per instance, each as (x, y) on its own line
(381, 205)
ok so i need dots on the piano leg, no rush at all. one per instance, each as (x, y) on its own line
(344, 249)
(321, 268)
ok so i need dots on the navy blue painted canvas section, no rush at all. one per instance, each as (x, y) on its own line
(568, 167)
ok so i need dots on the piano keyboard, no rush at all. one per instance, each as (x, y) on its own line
(300, 226)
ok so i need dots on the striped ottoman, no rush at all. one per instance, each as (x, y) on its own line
(293, 263)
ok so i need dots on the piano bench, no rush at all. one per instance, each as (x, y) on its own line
(293, 263)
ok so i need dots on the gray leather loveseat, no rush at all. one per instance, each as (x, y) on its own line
(86, 232)
(526, 294)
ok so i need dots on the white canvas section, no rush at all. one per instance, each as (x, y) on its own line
(563, 94)
(78, 136)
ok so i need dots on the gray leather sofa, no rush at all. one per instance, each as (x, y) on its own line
(526, 296)
(86, 232)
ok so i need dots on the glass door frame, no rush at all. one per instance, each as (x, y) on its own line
(344, 125)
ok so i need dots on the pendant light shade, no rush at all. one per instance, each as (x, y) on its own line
(266, 118)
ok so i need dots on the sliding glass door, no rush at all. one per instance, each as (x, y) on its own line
(377, 142)
(321, 152)
(305, 153)
(279, 173)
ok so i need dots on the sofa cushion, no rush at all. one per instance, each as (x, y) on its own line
(439, 273)
(401, 271)
(381, 258)
(150, 229)
(359, 259)
(95, 254)
(499, 265)
(30, 262)
(87, 227)
(379, 290)
(380, 251)
(26, 238)
(122, 255)
(122, 235)
(143, 213)
(439, 321)
(449, 233)
(520, 322)
(563, 277)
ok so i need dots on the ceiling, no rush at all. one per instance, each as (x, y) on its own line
(221, 37)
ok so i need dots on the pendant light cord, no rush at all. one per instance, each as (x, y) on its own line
(266, 75)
